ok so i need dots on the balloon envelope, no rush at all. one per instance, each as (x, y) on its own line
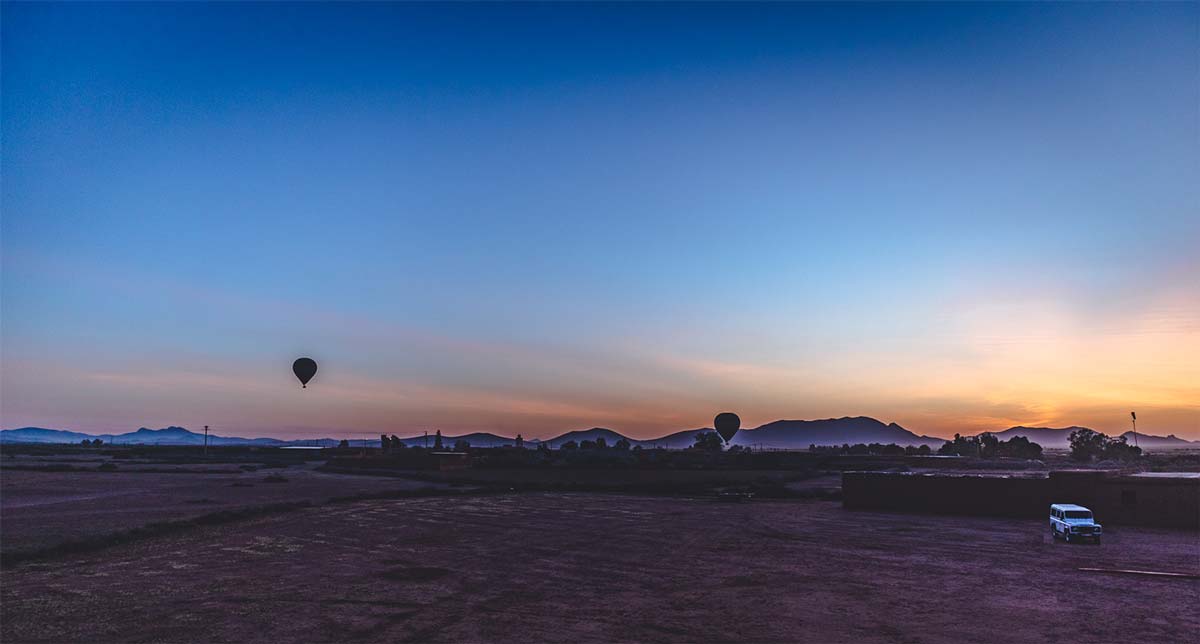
(305, 369)
(727, 424)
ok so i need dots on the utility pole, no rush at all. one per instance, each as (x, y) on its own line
(1133, 415)
(427, 439)
(206, 440)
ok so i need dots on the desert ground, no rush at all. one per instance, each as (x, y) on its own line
(43, 508)
(571, 567)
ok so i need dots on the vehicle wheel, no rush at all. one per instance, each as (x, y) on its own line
(1067, 537)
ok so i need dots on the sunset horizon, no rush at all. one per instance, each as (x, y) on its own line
(540, 433)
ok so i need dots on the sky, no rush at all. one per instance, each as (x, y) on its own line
(536, 218)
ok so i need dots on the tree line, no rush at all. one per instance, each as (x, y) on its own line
(599, 443)
(872, 449)
(986, 445)
(1088, 445)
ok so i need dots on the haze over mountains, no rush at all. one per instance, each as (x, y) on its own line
(144, 436)
(1059, 438)
(780, 434)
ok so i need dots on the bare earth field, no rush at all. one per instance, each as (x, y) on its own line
(39, 509)
(590, 567)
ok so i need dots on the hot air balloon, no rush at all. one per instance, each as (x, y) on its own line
(305, 369)
(727, 424)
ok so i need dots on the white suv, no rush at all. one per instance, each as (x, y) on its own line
(1073, 522)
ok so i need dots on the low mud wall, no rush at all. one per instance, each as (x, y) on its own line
(946, 493)
(1172, 502)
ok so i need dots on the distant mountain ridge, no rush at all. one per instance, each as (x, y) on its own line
(780, 434)
(1060, 437)
(1047, 437)
(143, 436)
(1170, 440)
(678, 440)
(800, 434)
(610, 437)
(477, 439)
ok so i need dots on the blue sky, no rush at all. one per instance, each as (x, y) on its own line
(543, 217)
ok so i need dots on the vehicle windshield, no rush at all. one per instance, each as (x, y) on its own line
(1078, 514)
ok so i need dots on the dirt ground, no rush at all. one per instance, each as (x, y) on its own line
(39, 509)
(588, 567)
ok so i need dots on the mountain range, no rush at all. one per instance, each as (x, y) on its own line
(1059, 438)
(144, 436)
(780, 434)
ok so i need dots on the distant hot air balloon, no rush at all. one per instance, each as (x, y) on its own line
(727, 424)
(305, 369)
